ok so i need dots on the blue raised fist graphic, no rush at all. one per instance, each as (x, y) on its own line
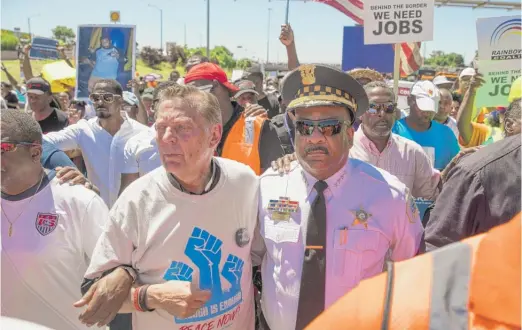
(204, 250)
(232, 271)
(178, 271)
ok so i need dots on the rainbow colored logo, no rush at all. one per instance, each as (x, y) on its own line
(510, 27)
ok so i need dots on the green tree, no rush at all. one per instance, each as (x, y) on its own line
(439, 58)
(243, 63)
(152, 56)
(176, 55)
(64, 34)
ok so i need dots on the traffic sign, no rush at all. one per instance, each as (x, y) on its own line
(115, 16)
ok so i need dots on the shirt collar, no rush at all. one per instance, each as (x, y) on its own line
(361, 139)
(335, 182)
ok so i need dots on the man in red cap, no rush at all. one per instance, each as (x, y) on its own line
(250, 140)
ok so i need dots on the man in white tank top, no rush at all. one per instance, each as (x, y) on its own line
(180, 235)
(48, 231)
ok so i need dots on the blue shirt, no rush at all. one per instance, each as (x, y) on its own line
(52, 158)
(107, 63)
(438, 141)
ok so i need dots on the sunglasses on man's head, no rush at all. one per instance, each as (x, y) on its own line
(375, 108)
(326, 127)
(105, 97)
(8, 146)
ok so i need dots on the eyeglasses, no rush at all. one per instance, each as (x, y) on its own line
(375, 108)
(327, 127)
(105, 97)
(9, 146)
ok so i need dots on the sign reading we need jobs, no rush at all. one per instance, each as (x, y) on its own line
(397, 21)
(500, 51)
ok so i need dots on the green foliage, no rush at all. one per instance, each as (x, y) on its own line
(9, 41)
(64, 34)
(152, 56)
(439, 58)
(243, 63)
(219, 55)
(176, 55)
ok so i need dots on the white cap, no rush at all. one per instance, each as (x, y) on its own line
(441, 80)
(427, 95)
(467, 72)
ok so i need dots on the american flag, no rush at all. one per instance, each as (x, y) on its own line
(411, 59)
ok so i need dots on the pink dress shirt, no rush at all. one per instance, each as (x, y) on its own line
(355, 250)
(403, 158)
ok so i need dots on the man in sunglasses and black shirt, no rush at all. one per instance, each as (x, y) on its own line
(101, 139)
(332, 220)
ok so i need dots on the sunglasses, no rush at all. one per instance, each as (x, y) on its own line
(327, 127)
(11, 146)
(375, 108)
(105, 97)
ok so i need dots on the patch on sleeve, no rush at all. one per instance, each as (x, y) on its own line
(412, 212)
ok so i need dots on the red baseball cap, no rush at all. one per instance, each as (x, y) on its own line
(210, 71)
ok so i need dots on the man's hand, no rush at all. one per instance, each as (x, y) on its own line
(134, 84)
(73, 176)
(254, 110)
(282, 165)
(476, 82)
(27, 49)
(61, 52)
(287, 35)
(178, 298)
(455, 161)
(105, 298)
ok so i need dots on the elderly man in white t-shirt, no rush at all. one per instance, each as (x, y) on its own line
(176, 235)
(48, 232)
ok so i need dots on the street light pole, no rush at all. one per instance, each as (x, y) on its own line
(29, 25)
(161, 24)
(208, 29)
(268, 36)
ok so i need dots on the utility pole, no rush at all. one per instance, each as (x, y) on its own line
(268, 36)
(161, 24)
(208, 29)
(185, 34)
(29, 25)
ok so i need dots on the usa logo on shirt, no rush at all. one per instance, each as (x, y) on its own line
(46, 223)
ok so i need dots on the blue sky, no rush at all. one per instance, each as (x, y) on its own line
(318, 27)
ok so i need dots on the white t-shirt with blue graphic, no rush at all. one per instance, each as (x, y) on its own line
(166, 234)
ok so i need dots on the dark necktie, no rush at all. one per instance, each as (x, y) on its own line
(313, 278)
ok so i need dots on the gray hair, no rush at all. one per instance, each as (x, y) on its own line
(205, 103)
(21, 126)
(513, 111)
(378, 84)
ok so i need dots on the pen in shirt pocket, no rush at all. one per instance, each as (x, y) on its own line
(343, 235)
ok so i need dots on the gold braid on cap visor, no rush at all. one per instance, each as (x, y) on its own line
(319, 94)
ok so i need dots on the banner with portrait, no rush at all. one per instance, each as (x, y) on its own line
(104, 52)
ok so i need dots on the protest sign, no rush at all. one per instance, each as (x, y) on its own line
(358, 55)
(104, 52)
(397, 21)
(499, 38)
(43, 49)
(498, 77)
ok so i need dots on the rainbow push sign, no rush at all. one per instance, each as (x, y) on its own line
(499, 38)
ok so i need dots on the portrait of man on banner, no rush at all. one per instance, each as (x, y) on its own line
(104, 52)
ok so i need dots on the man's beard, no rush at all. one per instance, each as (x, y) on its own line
(103, 114)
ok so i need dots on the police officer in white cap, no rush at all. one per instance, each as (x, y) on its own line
(331, 221)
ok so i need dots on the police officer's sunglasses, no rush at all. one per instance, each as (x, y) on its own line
(326, 127)
(376, 108)
(105, 97)
(10, 146)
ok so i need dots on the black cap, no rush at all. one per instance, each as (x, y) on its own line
(255, 69)
(314, 85)
(245, 86)
(38, 85)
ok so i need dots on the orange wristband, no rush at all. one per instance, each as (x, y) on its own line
(135, 299)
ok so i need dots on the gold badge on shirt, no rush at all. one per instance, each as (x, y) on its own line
(361, 217)
(280, 209)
